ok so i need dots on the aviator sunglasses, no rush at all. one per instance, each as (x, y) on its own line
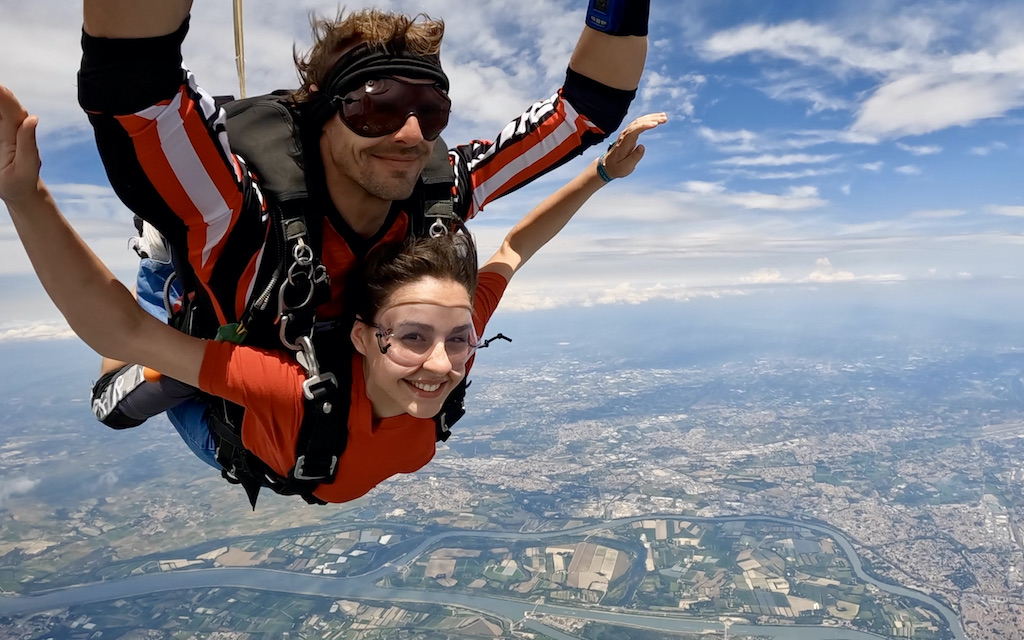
(382, 106)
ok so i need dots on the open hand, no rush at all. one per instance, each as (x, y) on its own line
(623, 154)
(19, 155)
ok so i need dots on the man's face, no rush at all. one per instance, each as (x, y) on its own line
(384, 167)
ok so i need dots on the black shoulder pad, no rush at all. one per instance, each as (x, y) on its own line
(262, 131)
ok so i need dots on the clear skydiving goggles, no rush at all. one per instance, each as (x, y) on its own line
(409, 334)
(381, 106)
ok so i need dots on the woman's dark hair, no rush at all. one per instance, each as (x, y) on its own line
(447, 257)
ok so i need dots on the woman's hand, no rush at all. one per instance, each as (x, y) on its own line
(623, 154)
(19, 155)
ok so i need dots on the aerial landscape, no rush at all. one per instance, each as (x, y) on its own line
(769, 386)
(871, 487)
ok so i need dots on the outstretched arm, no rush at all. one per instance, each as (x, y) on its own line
(99, 308)
(134, 18)
(545, 221)
(616, 57)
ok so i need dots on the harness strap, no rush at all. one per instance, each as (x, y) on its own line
(323, 435)
(452, 410)
(240, 466)
(282, 310)
(435, 204)
(303, 284)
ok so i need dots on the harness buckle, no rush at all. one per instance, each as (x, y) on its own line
(438, 229)
(311, 277)
(302, 254)
(308, 359)
(317, 383)
(300, 472)
(283, 320)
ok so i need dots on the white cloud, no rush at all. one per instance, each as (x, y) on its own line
(824, 272)
(806, 90)
(985, 150)
(776, 161)
(1016, 211)
(1007, 61)
(938, 214)
(704, 188)
(923, 150)
(740, 141)
(715, 194)
(763, 276)
(107, 481)
(15, 487)
(872, 166)
(908, 170)
(767, 201)
(499, 59)
(806, 43)
(920, 103)
(674, 95)
(541, 298)
(743, 141)
(845, 189)
(36, 331)
(924, 82)
(782, 175)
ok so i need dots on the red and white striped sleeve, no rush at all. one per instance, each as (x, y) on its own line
(548, 134)
(165, 149)
(182, 148)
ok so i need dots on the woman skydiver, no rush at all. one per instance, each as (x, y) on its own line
(420, 311)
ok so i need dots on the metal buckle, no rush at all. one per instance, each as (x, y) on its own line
(302, 254)
(319, 379)
(438, 229)
(313, 376)
(299, 472)
(283, 322)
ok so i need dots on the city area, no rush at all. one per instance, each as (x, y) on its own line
(911, 455)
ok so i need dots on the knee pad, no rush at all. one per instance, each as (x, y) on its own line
(110, 393)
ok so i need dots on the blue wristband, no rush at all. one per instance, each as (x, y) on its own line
(619, 17)
(601, 172)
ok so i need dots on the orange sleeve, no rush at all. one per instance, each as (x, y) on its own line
(490, 287)
(269, 385)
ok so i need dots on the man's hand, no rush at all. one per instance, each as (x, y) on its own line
(19, 155)
(624, 154)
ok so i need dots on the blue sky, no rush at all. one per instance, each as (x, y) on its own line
(811, 144)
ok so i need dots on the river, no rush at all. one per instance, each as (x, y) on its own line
(362, 587)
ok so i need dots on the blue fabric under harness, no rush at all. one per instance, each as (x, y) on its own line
(189, 417)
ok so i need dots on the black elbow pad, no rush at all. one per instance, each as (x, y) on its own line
(122, 76)
(603, 105)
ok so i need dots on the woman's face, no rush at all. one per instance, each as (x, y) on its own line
(426, 329)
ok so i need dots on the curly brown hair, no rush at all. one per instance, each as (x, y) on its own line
(419, 34)
(448, 257)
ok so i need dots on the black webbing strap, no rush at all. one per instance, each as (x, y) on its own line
(434, 197)
(323, 435)
(452, 410)
(238, 465)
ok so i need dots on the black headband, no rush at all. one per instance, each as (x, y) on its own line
(369, 62)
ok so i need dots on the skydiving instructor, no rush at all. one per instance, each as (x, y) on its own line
(372, 103)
